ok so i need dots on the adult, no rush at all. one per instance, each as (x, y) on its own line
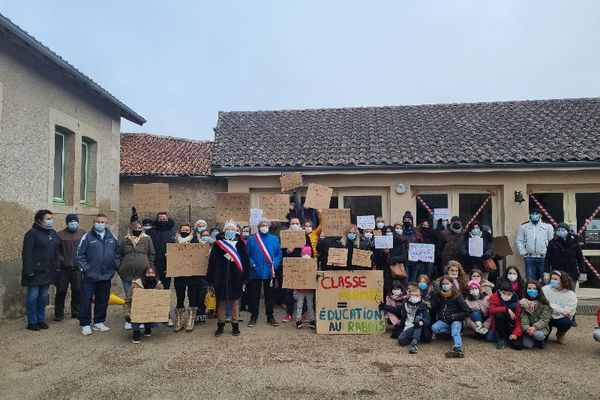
(199, 227)
(265, 257)
(147, 280)
(395, 261)
(349, 241)
(69, 274)
(451, 241)
(426, 235)
(313, 232)
(474, 260)
(98, 258)
(563, 302)
(228, 269)
(409, 235)
(379, 225)
(564, 253)
(40, 265)
(532, 244)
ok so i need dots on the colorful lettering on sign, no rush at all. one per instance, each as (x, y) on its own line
(348, 282)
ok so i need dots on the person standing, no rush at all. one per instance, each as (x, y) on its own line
(451, 241)
(98, 258)
(40, 265)
(69, 273)
(564, 253)
(532, 243)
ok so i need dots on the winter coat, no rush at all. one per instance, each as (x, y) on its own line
(470, 262)
(498, 307)
(482, 304)
(135, 258)
(323, 249)
(136, 283)
(565, 255)
(68, 247)
(451, 245)
(539, 317)
(350, 246)
(97, 256)
(398, 253)
(422, 314)
(532, 239)
(261, 269)
(223, 274)
(40, 256)
(449, 309)
(161, 235)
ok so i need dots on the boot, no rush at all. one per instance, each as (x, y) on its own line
(560, 337)
(191, 318)
(220, 327)
(235, 329)
(179, 319)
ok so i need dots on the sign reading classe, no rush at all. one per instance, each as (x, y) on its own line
(348, 302)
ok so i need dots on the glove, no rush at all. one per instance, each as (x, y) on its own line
(134, 216)
(128, 319)
(582, 278)
(546, 277)
(381, 305)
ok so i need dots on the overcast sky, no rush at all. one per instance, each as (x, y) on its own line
(178, 66)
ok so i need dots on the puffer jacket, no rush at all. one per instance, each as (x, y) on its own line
(451, 245)
(449, 309)
(482, 304)
(40, 256)
(539, 317)
(261, 269)
(137, 283)
(532, 239)
(98, 257)
(135, 258)
(565, 255)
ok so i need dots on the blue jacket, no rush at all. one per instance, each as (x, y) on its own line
(261, 268)
(98, 258)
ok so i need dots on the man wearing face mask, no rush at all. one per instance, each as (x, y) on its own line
(532, 243)
(69, 273)
(565, 253)
(98, 258)
(451, 241)
(161, 234)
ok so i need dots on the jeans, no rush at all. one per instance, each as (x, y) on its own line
(452, 329)
(254, 297)
(411, 334)
(300, 297)
(136, 327)
(37, 299)
(534, 268)
(412, 271)
(562, 324)
(65, 278)
(100, 290)
(529, 341)
(126, 286)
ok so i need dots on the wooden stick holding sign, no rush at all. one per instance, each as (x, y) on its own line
(361, 258)
(232, 206)
(291, 238)
(335, 221)
(151, 197)
(290, 181)
(299, 273)
(337, 257)
(187, 259)
(150, 305)
(318, 196)
(275, 206)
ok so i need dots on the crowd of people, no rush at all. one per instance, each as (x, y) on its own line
(424, 301)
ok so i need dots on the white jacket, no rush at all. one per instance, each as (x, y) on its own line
(532, 239)
(560, 301)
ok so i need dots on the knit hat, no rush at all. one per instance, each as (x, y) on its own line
(473, 284)
(564, 226)
(72, 217)
(201, 221)
(264, 220)
(455, 218)
(229, 224)
(408, 215)
(306, 251)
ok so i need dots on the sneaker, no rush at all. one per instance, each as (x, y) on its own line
(304, 318)
(501, 344)
(252, 323)
(127, 326)
(482, 330)
(201, 319)
(413, 349)
(287, 318)
(542, 344)
(135, 338)
(170, 324)
(271, 321)
(86, 330)
(33, 327)
(299, 324)
(43, 325)
(100, 327)
(597, 334)
(573, 323)
(456, 352)
(147, 332)
(312, 324)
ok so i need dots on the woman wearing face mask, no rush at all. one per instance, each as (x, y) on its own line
(398, 254)
(479, 319)
(450, 311)
(199, 227)
(513, 275)
(451, 241)
(563, 302)
(471, 261)
(486, 286)
(425, 235)
(147, 280)
(350, 241)
(313, 233)
(367, 240)
(459, 279)
(137, 253)
(506, 311)
(564, 252)
(535, 316)
(379, 226)
(288, 294)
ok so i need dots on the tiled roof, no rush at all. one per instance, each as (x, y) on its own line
(146, 154)
(452, 135)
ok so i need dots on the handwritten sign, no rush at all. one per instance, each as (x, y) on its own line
(443, 213)
(475, 247)
(187, 259)
(361, 258)
(299, 273)
(232, 206)
(292, 238)
(318, 196)
(347, 302)
(337, 256)
(421, 252)
(151, 197)
(290, 181)
(365, 221)
(384, 242)
(335, 221)
(275, 206)
(150, 305)
(256, 215)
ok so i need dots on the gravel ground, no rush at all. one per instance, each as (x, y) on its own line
(274, 363)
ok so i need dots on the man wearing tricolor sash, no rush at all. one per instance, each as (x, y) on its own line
(228, 269)
(265, 259)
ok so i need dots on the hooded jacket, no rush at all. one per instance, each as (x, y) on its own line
(539, 317)
(137, 283)
(97, 256)
(497, 307)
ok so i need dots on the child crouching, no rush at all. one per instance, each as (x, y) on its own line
(149, 280)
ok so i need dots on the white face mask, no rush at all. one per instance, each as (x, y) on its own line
(474, 292)
(380, 225)
(414, 299)
(308, 229)
(295, 227)
(368, 235)
(453, 276)
(264, 229)
(398, 231)
(396, 292)
(512, 277)
(389, 233)
(505, 297)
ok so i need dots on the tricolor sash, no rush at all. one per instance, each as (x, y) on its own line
(232, 251)
(265, 253)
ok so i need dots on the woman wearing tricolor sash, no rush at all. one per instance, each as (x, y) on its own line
(228, 269)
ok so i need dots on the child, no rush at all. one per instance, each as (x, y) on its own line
(395, 299)
(535, 316)
(506, 310)
(302, 295)
(149, 280)
(451, 310)
(486, 286)
(424, 283)
(479, 319)
(513, 274)
(414, 318)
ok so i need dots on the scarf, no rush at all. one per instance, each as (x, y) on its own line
(512, 303)
(447, 294)
(187, 239)
(530, 304)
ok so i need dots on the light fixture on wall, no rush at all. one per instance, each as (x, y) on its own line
(400, 188)
(519, 197)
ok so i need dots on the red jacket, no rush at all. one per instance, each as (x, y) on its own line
(496, 307)
(598, 316)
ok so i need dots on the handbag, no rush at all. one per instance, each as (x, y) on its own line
(398, 271)
(489, 265)
(210, 301)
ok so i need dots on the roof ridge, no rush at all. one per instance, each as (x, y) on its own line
(161, 136)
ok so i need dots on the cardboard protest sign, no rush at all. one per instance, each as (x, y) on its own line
(337, 256)
(318, 196)
(299, 273)
(232, 206)
(187, 259)
(290, 181)
(475, 247)
(361, 258)
(151, 197)
(348, 302)
(421, 252)
(384, 242)
(256, 215)
(365, 221)
(291, 238)
(443, 213)
(149, 305)
(501, 246)
(275, 206)
(334, 221)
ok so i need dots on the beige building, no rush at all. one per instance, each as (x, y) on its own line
(464, 157)
(60, 148)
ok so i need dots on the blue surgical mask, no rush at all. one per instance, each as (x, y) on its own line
(422, 285)
(533, 293)
(48, 224)
(214, 234)
(200, 229)
(535, 217)
(561, 233)
(205, 239)
(230, 235)
(476, 232)
(554, 283)
(99, 227)
(389, 233)
(446, 287)
(73, 225)
(351, 236)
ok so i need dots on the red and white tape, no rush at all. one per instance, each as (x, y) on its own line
(429, 210)
(588, 221)
(474, 217)
(544, 211)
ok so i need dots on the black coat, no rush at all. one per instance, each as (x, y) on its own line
(161, 235)
(449, 309)
(422, 313)
(470, 262)
(182, 281)
(224, 275)
(40, 255)
(565, 255)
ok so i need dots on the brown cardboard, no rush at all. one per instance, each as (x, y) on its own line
(187, 259)
(150, 305)
(318, 196)
(334, 221)
(151, 197)
(299, 273)
(234, 206)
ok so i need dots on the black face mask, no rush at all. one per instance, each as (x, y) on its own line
(150, 282)
(425, 228)
(136, 232)
(456, 225)
(161, 223)
(184, 234)
(407, 224)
